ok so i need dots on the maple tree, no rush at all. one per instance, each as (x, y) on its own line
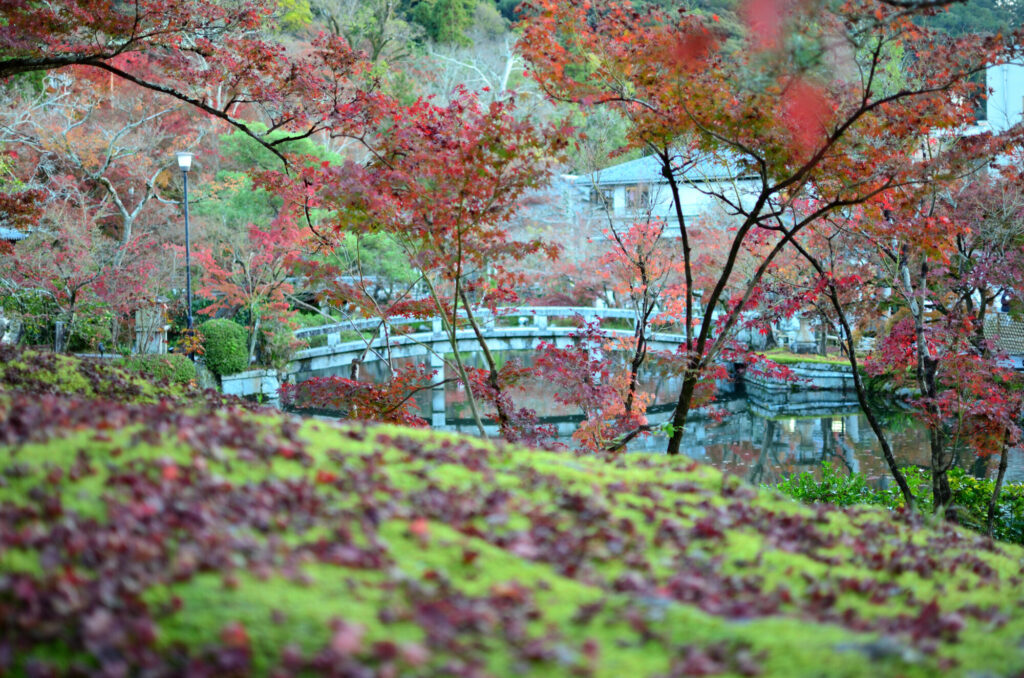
(838, 278)
(946, 272)
(253, 275)
(647, 275)
(390, 402)
(83, 277)
(107, 151)
(441, 181)
(215, 57)
(966, 399)
(791, 112)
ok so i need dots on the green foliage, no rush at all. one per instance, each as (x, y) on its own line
(316, 341)
(237, 204)
(445, 21)
(35, 310)
(784, 357)
(602, 133)
(376, 254)
(295, 14)
(277, 344)
(175, 368)
(312, 319)
(970, 495)
(91, 326)
(243, 153)
(977, 16)
(33, 82)
(838, 489)
(224, 346)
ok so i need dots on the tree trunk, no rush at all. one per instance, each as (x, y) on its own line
(451, 329)
(504, 421)
(858, 383)
(942, 495)
(255, 336)
(994, 501)
(682, 409)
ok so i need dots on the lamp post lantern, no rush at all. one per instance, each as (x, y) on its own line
(185, 163)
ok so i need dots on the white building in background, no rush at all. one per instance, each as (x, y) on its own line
(636, 189)
(1004, 107)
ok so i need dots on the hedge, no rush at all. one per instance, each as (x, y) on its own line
(224, 346)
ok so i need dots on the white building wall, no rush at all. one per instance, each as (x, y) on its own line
(1005, 105)
(619, 200)
(695, 202)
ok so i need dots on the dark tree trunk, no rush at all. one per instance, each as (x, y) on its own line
(994, 501)
(679, 416)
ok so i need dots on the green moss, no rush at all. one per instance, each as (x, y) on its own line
(784, 357)
(40, 371)
(353, 467)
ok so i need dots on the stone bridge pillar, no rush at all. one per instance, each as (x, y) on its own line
(438, 344)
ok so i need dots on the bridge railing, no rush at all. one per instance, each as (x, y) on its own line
(528, 315)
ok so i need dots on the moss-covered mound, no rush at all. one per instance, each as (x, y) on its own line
(141, 539)
(153, 530)
(43, 372)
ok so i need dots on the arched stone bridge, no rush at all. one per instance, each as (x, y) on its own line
(531, 326)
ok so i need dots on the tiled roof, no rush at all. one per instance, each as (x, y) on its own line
(11, 234)
(648, 170)
(1007, 333)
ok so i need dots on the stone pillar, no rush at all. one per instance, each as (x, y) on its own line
(540, 321)
(805, 341)
(150, 330)
(437, 402)
(59, 336)
(853, 427)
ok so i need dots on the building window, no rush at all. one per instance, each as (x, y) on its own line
(638, 197)
(604, 198)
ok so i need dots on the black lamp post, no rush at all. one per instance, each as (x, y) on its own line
(185, 163)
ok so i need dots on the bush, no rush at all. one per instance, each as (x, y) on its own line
(970, 496)
(224, 346)
(277, 344)
(177, 369)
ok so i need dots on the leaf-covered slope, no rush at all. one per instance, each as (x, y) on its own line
(43, 372)
(223, 542)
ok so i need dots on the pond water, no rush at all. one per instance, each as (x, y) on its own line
(761, 437)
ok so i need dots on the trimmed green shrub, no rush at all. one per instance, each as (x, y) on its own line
(177, 369)
(224, 346)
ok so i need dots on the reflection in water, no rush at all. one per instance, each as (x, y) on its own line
(760, 437)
